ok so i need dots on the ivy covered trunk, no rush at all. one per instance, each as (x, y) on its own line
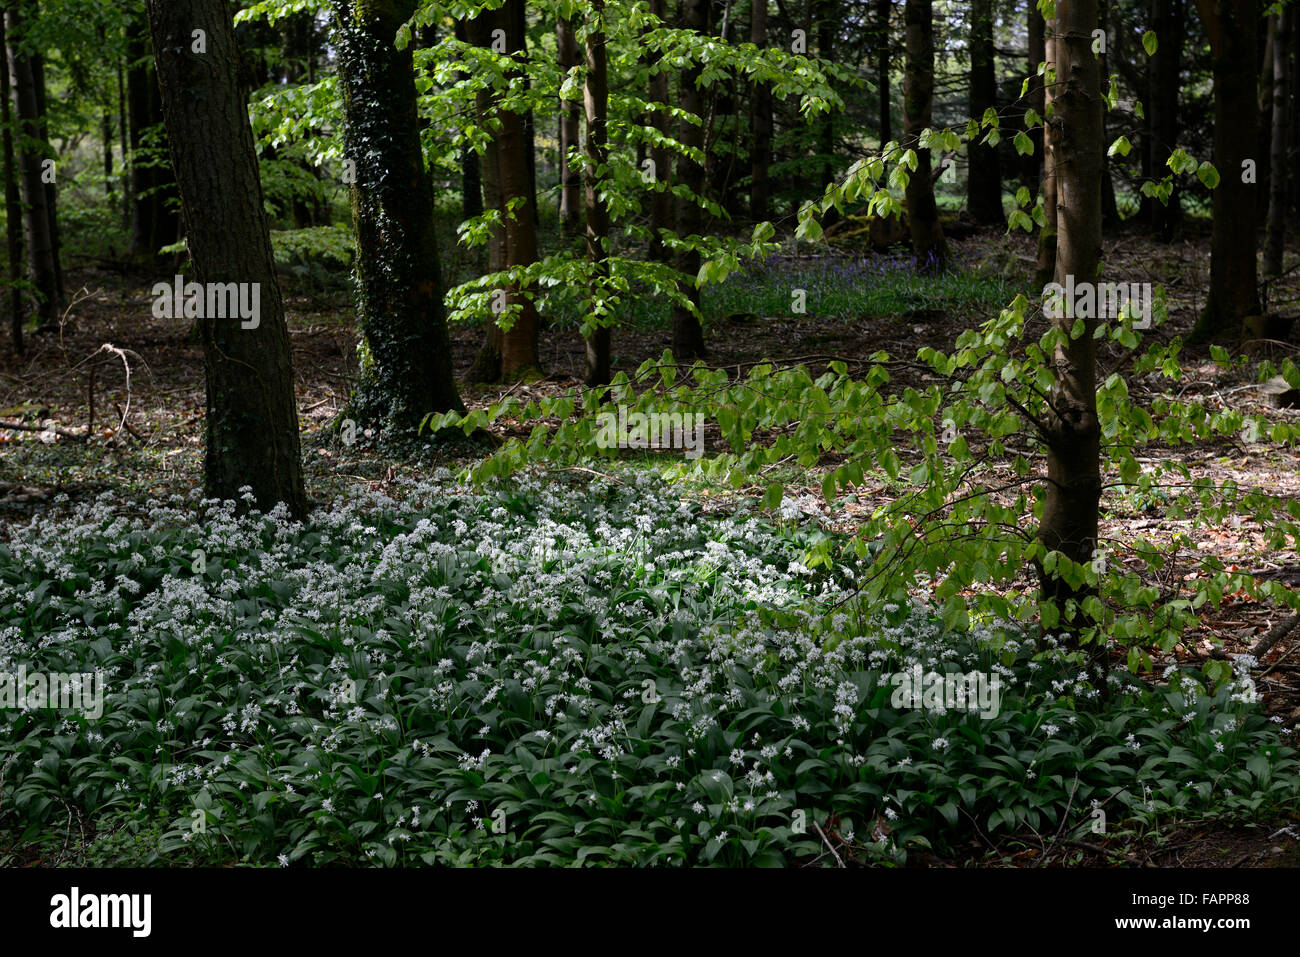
(252, 419)
(1232, 26)
(688, 334)
(407, 373)
(1073, 433)
(984, 187)
(596, 102)
(929, 248)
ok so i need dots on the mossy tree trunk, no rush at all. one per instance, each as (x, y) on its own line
(252, 419)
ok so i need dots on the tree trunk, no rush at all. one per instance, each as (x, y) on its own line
(1073, 433)
(1166, 68)
(828, 16)
(1031, 165)
(1109, 206)
(1277, 153)
(760, 121)
(883, 106)
(42, 270)
(154, 222)
(984, 187)
(595, 98)
(688, 334)
(929, 249)
(1232, 27)
(570, 120)
(513, 354)
(408, 373)
(487, 364)
(252, 418)
(13, 209)
(661, 201)
(1047, 234)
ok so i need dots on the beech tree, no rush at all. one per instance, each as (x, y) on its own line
(1072, 431)
(252, 418)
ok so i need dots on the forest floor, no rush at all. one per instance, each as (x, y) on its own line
(87, 432)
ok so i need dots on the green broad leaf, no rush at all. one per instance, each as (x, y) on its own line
(772, 497)
(1208, 175)
(1121, 146)
(1024, 145)
(1150, 43)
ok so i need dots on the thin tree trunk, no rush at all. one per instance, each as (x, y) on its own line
(1109, 206)
(688, 334)
(1170, 27)
(36, 215)
(1073, 434)
(252, 418)
(760, 120)
(1273, 247)
(154, 223)
(1047, 234)
(513, 354)
(1232, 27)
(884, 113)
(596, 102)
(929, 249)
(50, 182)
(487, 364)
(408, 374)
(661, 201)
(13, 210)
(984, 186)
(1031, 165)
(570, 120)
